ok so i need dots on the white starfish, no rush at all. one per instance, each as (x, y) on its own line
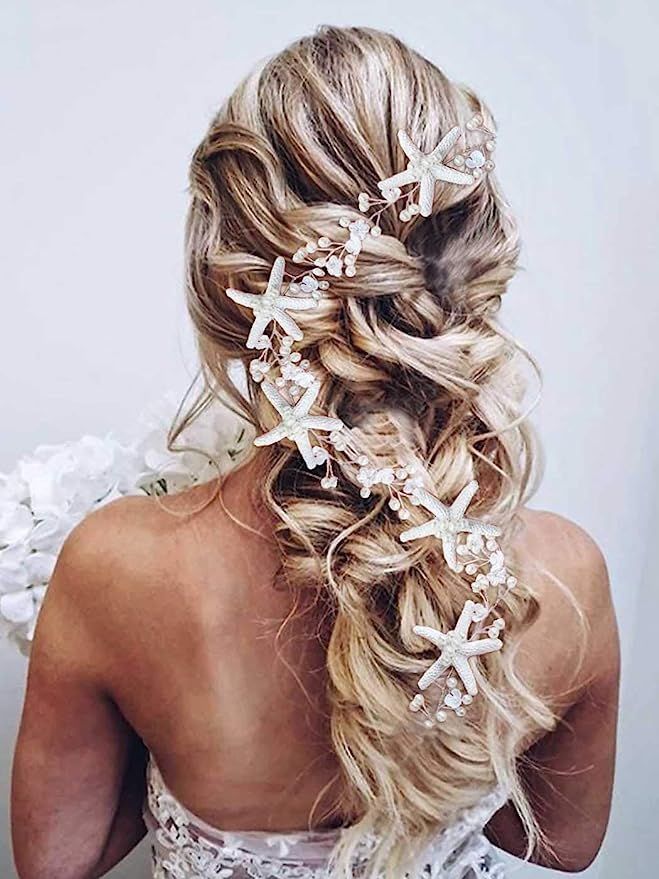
(272, 304)
(456, 650)
(427, 169)
(296, 421)
(448, 522)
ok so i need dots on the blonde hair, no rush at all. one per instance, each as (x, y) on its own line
(410, 355)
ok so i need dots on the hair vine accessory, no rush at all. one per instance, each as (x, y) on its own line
(288, 382)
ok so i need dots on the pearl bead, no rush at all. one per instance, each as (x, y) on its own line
(417, 702)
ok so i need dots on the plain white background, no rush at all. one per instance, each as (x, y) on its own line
(105, 103)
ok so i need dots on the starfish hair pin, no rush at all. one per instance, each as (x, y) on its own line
(272, 305)
(296, 423)
(452, 161)
(448, 522)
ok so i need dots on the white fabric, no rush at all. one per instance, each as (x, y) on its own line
(184, 846)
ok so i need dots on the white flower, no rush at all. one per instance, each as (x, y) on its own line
(19, 599)
(309, 283)
(476, 159)
(453, 699)
(359, 230)
(391, 195)
(479, 612)
(475, 543)
(334, 266)
(217, 434)
(13, 488)
(16, 522)
(53, 488)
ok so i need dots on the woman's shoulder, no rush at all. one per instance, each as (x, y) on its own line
(555, 546)
(573, 639)
(131, 551)
(133, 523)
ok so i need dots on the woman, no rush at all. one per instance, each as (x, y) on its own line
(263, 640)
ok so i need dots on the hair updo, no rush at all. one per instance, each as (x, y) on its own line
(409, 354)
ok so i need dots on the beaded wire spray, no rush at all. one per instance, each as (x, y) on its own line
(288, 382)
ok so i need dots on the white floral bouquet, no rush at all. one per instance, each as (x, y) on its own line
(53, 488)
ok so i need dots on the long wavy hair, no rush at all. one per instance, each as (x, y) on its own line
(410, 355)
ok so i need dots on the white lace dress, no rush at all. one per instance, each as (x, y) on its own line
(185, 847)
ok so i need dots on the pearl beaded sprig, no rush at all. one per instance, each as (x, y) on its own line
(289, 384)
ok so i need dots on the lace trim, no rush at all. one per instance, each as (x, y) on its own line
(185, 847)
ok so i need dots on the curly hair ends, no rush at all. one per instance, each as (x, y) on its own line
(410, 355)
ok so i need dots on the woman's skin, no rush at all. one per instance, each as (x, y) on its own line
(160, 632)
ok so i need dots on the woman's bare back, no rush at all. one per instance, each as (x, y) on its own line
(223, 676)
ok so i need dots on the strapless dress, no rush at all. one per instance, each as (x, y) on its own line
(183, 846)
